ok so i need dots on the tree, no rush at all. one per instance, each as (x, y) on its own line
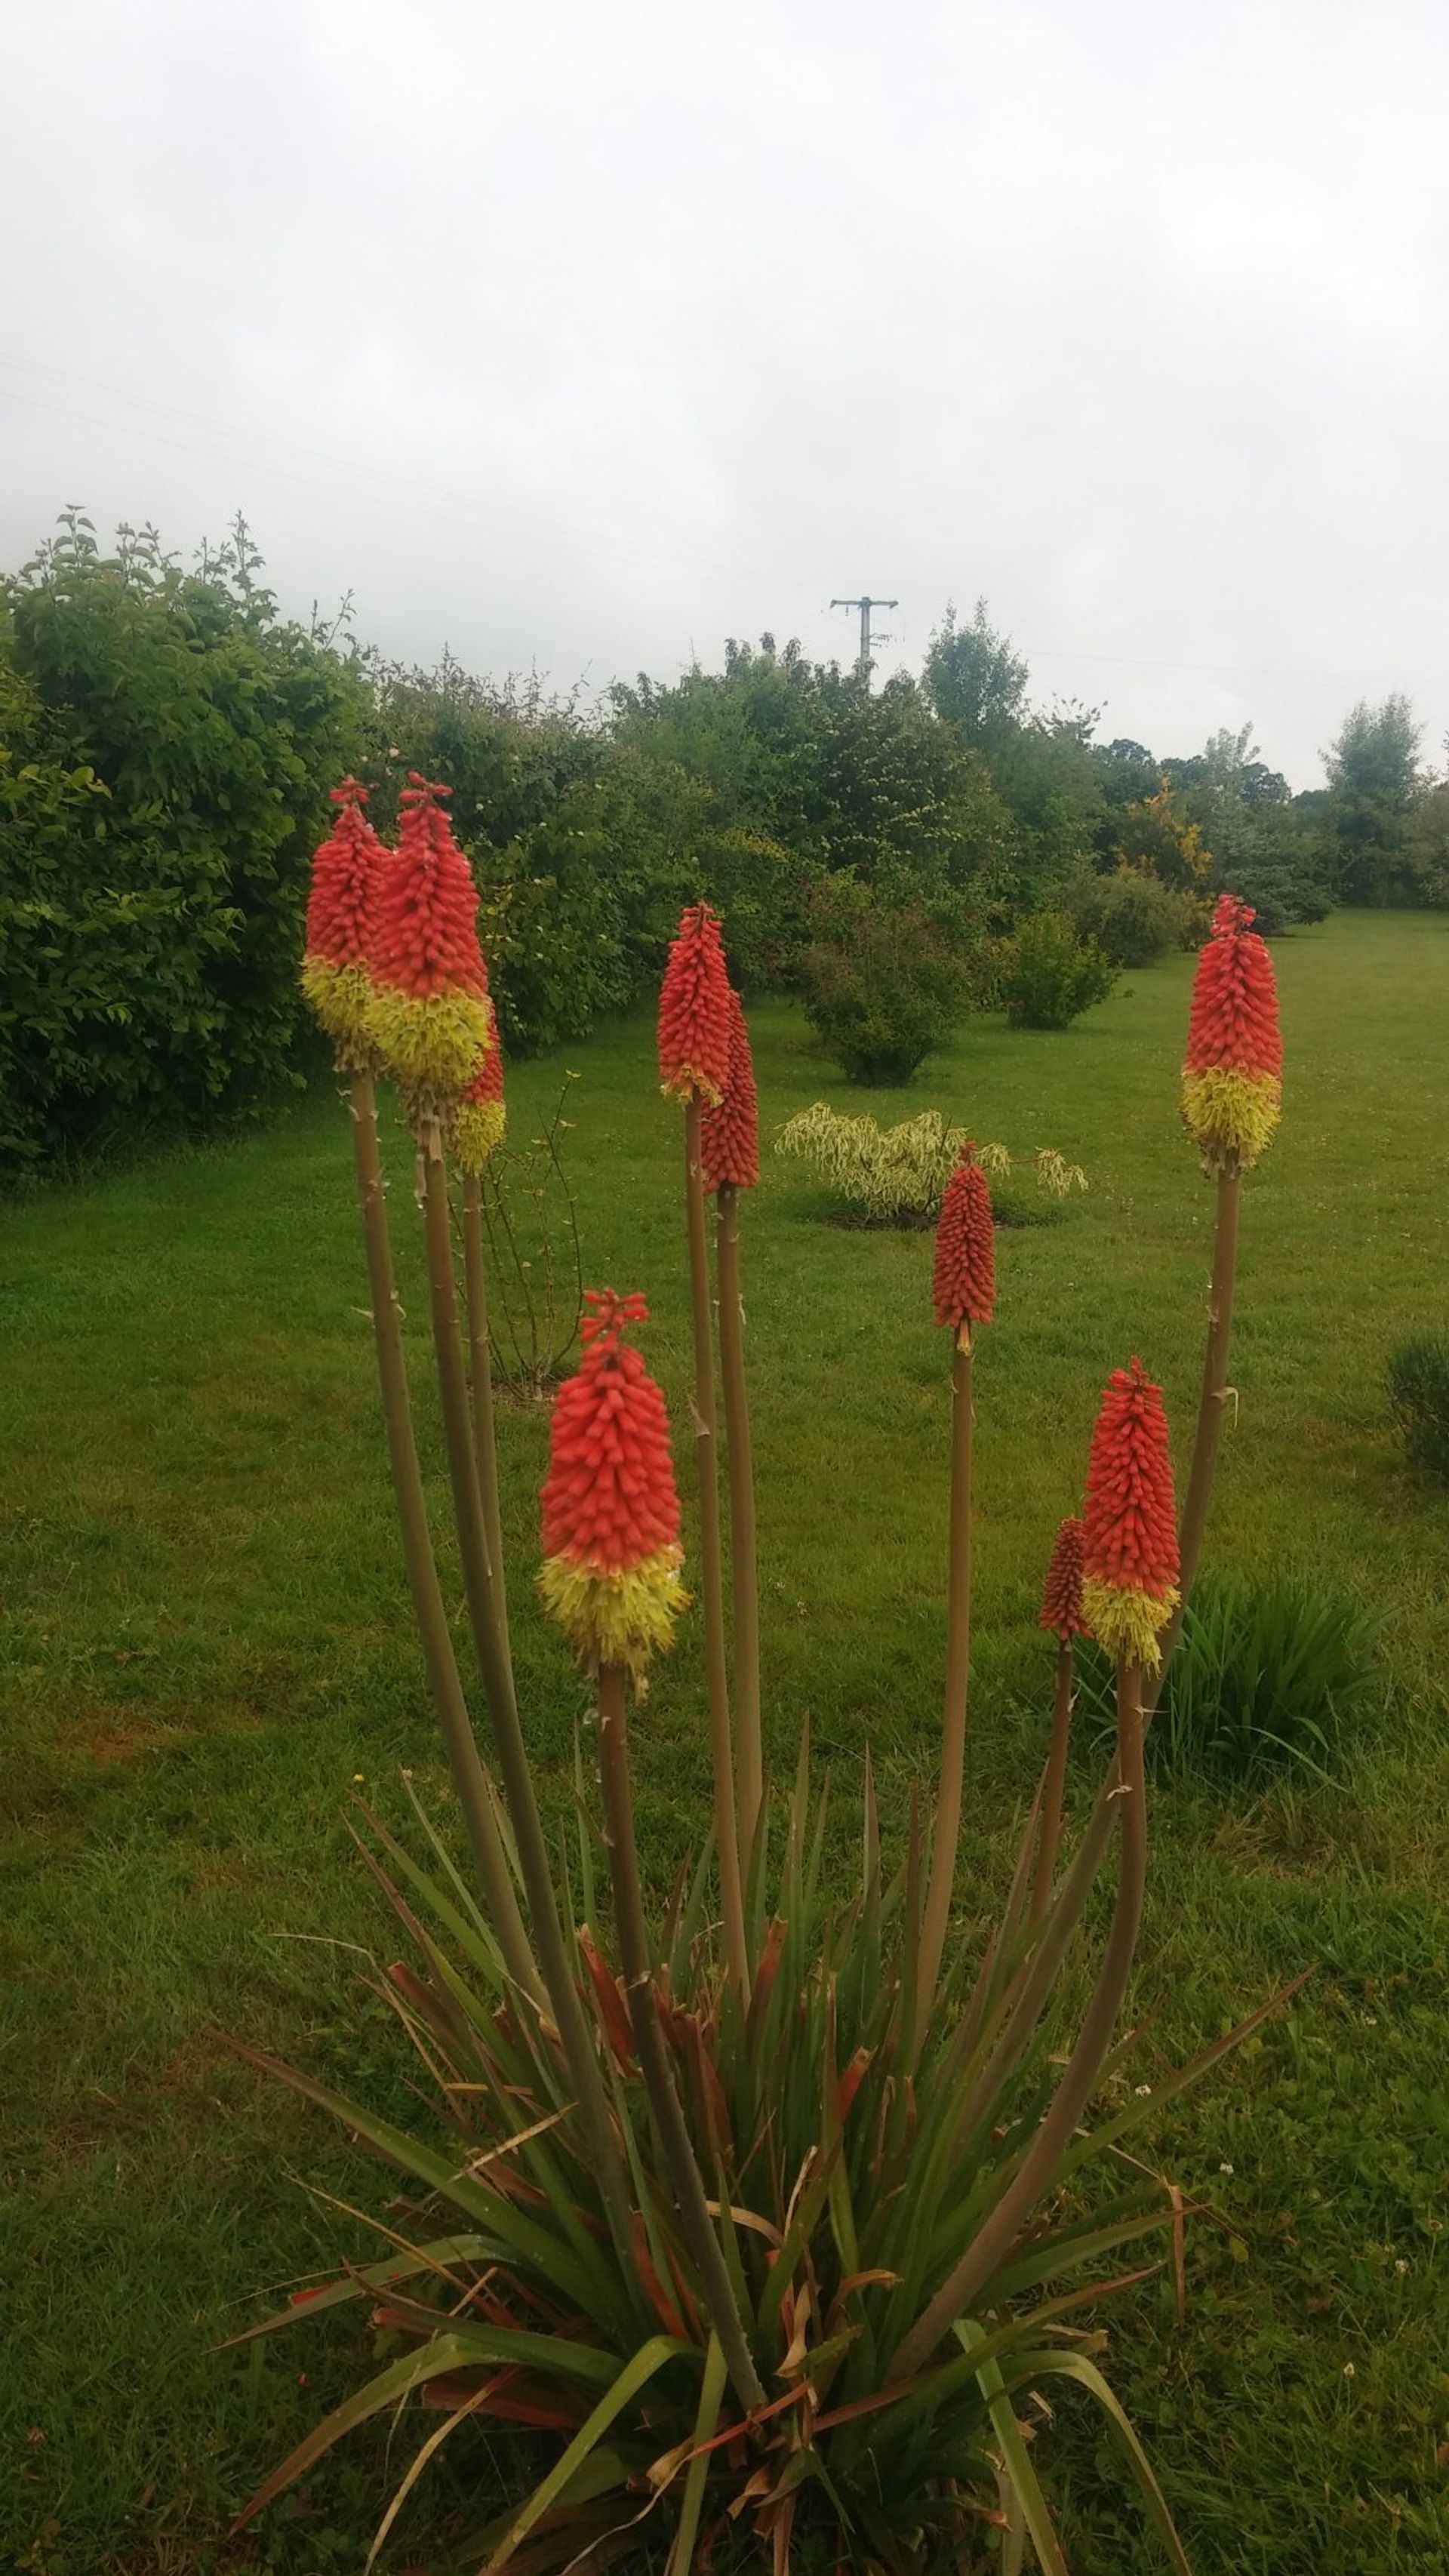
(1373, 783)
(972, 678)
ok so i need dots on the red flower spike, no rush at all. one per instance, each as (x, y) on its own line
(610, 1505)
(730, 1129)
(480, 1119)
(1129, 1551)
(1061, 1604)
(429, 1015)
(425, 941)
(343, 869)
(336, 980)
(963, 1282)
(1231, 1086)
(1234, 1019)
(694, 1010)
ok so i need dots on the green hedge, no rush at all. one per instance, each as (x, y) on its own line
(166, 746)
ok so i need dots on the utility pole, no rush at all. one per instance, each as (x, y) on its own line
(865, 606)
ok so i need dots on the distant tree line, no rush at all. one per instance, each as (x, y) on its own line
(167, 740)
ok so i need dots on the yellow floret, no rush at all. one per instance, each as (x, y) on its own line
(1230, 1115)
(477, 1132)
(430, 1046)
(616, 1618)
(339, 997)
(1127, 1623)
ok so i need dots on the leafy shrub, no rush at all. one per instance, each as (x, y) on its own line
(897, 1175)
(166, 745)
(1050, 976)
(1130, 916)
(1266, 1678)
(883, 980)
(1419, 1394)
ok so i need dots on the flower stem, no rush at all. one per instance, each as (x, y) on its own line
(711, 1562)
(947, 1831)
(744, 1579)
(583, 2066)
(1056, 1772)
(994, 2239)
(638, 1968)
(464, 1762)
(1212, 1405)
(480, 1353)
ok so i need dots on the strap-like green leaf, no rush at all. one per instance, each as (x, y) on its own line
(444, 2353)
(706, 2421)
(636, 2374)
(1075, 2365)
(1040, 2528)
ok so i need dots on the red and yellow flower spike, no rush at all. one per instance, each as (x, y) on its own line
(610, 1507)
(730, 1127)
(1232, 1076)
(336, 978)
(481, 1118)
(694, 1011)
(1129, 1547)
(429, 1014)
(963, 1283)
(1061, 1604)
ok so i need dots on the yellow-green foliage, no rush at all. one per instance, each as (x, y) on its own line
(898, 1174)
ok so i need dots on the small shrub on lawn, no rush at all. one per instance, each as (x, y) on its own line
(1050, 976)
(1131, 917)
(1267, 1678)
(883, 981)
(1419, 1394)
(898, 1175)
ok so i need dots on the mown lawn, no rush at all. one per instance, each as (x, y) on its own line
(205, 1643)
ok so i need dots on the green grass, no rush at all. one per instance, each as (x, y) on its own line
(205, 1639)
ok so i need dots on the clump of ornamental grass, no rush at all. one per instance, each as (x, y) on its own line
(1267, 1678)
(784, 2212)
(897, 1176)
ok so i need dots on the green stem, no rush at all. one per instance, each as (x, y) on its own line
(1056, 1773)
(469, 1777)
(583, 2066)
(1212, 1404)
(947, 1833)
(711, 1563)
(744, 1578)
(638, 1967)
(480, 1379)
(994, 2239)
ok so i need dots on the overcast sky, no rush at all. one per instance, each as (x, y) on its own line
(583, 336)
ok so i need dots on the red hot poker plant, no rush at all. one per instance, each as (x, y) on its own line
(963, 1283)
(480, 1118)
(429, 1011)
(1231, 1095)
(1232, 1087)
(1061, 1605)
(1130, 1558)
(730, 1162)
(695, 1020)
(336, 977)
(730, 1127)
(696, 1030)
(707, 2246)
(610, 1508)
(963, 1289)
